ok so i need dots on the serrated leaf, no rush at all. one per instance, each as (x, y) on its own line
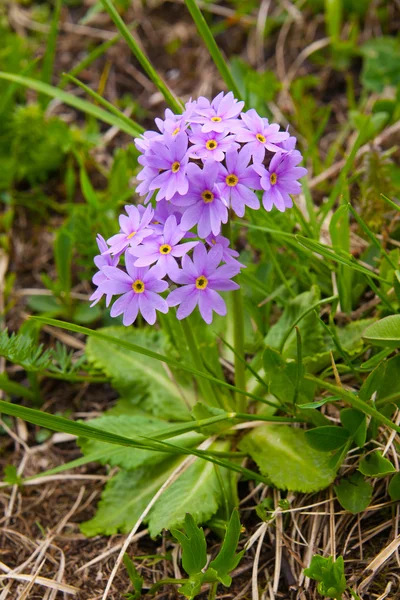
(375, 465)
(129, 371)
(327, 438)
(354, 493)
(385, 332)
(131, 426)
(284, 456)
(194, 546)
(125, 497)
(227, 560)
(197, 490)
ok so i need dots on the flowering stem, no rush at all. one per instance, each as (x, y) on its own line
(238, 343)
(205, 386)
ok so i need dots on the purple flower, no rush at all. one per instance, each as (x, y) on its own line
(163, 249)
(171, 157)
(99, 278)
(210, 145)
(280, 180)
(140, 288)
(134, 228)
(260, 135)
(229, 255)
(236, 180)
(201, 278)
(203, 200)
(221, 115)
(146, 176)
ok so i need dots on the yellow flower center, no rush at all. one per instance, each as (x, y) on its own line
(165, 249)
(176, 131)
(216, 119)
(207, 196)
(213, 241)
(138, 286)
(231, 180)
(261, 138)
(273, 178)
(201, 282)
(211, 145)
(130, 236)
(175, 166)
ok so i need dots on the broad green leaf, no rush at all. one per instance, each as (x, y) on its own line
(131, 426)
(327, 438)
(354, 493)
(194, 546)
(383, 381)
(282, 377)
(130, 372)
(198, 491)
(227, 560)
(381, 65)
(74, 101)
(356, 423)
(284, 456)
(385, 332)
(394, 487)
(125, 497)
(375, 465)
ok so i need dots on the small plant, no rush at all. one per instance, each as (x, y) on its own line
(330, 576)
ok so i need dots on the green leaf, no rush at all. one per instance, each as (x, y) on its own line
(354, 493)
(74, 101)
(385, 332)
(356, 423)
(11, 475)
(329, 574)
(22, 350)
(135, 578)
(227, 560)
(284, 456)
(383, 381)
(394, 487)
(282, 377)
(327, 438)
(128, 371)
(125, 497)
(194, 546)
(376, 465)
(339, 230)
(131, 426)
(63, 256)
(197, 490)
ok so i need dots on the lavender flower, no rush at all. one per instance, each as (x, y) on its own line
(237, 181)
(171, 157)
(229, 255)
(140, 289)
(219, 116)
(100, 278)
(134, 228)
(203, 200)
(163, 249)
(210, 145)
(260, 135)
(201, 278)
(280, 180)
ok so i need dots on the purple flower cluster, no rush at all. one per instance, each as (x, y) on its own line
(197, 167)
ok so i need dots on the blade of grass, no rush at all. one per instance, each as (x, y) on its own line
(390, 202)
(129, 346)
(78, 103)
(49, 56)
(328, 252)
(141, 57)
(353, 400)
(104, 103)
(370, 235)
(212, 47)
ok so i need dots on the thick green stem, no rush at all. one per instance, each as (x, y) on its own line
(205, 386)
(238, 342)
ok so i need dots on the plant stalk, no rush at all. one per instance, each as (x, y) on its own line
(238, 343)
